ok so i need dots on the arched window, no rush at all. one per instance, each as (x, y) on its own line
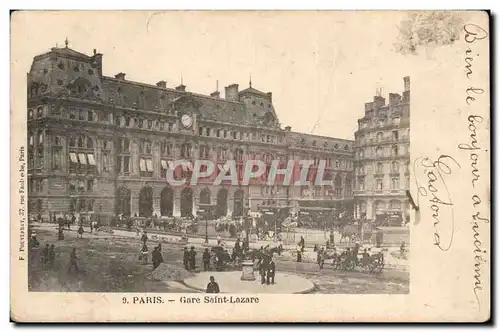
(81, 141)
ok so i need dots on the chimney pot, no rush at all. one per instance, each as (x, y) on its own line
(161, 84)
(120, 76)
(215, 94)
(181, 88)
(288, 128)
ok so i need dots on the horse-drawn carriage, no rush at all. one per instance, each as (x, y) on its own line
(348, 261)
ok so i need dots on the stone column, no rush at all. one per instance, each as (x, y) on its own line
(177, 203)
(370, 212)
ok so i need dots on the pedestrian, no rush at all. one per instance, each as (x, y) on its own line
(192, 259)
(144, 238)
(322, 253)
(80, 231)
(263, 270)
(219, 240)
(144, 254)
(52, 255)
(206, 260)
(91, 227)
(157, 257)
(45, 255)
(185, 258)
(212, 286)
(73, 220)
(72, 261)
(271, 271)
(60, 235)
(299, 254)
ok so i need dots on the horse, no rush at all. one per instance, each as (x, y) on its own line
(349, 233)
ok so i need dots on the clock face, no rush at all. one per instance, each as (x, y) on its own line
(186, 120)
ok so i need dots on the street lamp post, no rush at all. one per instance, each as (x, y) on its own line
(206, 229)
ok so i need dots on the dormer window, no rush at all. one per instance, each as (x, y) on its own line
(60, 66)
(75, 68)
(90, 72)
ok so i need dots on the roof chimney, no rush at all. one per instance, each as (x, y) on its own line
(181, 88)
(162, 84)
(288, 128)
(120, 76)
(215, 94)
(232, 92)
(406, 79)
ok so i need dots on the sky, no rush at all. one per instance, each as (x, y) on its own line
(320, 66)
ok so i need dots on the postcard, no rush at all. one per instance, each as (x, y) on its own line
(250, 166)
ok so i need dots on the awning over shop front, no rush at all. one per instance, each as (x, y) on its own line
(91, 158)
(83, 158)
(149, 165)
(73, 157)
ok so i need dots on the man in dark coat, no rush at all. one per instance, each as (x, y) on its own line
(45, 255)
(192, 259)
(144, 237)
(52, 255)
(271, 271)
(206, 260)
(157, 258)
(212, 286)
(72, 261)
(263, 270)
(185, 258)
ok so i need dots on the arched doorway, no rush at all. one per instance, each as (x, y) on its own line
(123, 201)
(167, 202)
(146, 202)
(221, 210)
(238, 203)
(186, 202)
(205, 196)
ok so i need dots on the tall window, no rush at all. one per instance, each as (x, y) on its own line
(394, 167)
(56, 153)
(123, 157)
(379, 184)
(186, 150)
(395, 184)
(361, 184)
(380, 168)
(379, 137)
(204, 152)
(395, 150)
(395, 135)
(379, 151)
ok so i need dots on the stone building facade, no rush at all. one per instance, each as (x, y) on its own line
(382, 157)
(101, 145)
